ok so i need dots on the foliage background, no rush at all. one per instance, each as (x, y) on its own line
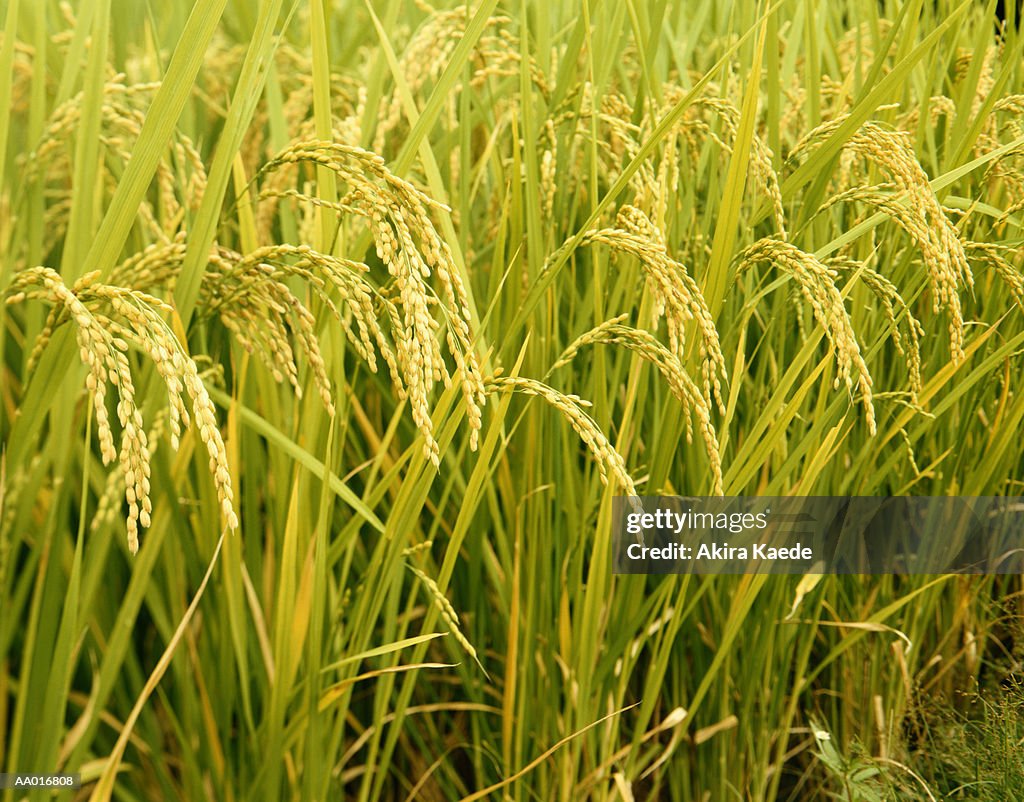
(296, 656)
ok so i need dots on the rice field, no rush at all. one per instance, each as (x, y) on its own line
(333, 328)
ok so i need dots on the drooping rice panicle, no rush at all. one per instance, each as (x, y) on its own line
(1000, 259)
(677, 297)
(447, 611)
(896, 312)
(817, 285)
(251, 296)
(922, 216)
(122, 117)
(614, 332)
(108, 320)
(409, 245)
(610, 464)
(496, 54)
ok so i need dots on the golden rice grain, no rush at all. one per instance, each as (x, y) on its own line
(408, 243)
(610, 464)
(104, 341)
(677, 297)
(921, 214)
(613, 332)
(817, 285)
(447, 611)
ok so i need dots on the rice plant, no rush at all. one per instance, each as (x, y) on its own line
(332, 329)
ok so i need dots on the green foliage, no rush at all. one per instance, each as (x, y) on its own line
(968, 751)
(325, 269)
